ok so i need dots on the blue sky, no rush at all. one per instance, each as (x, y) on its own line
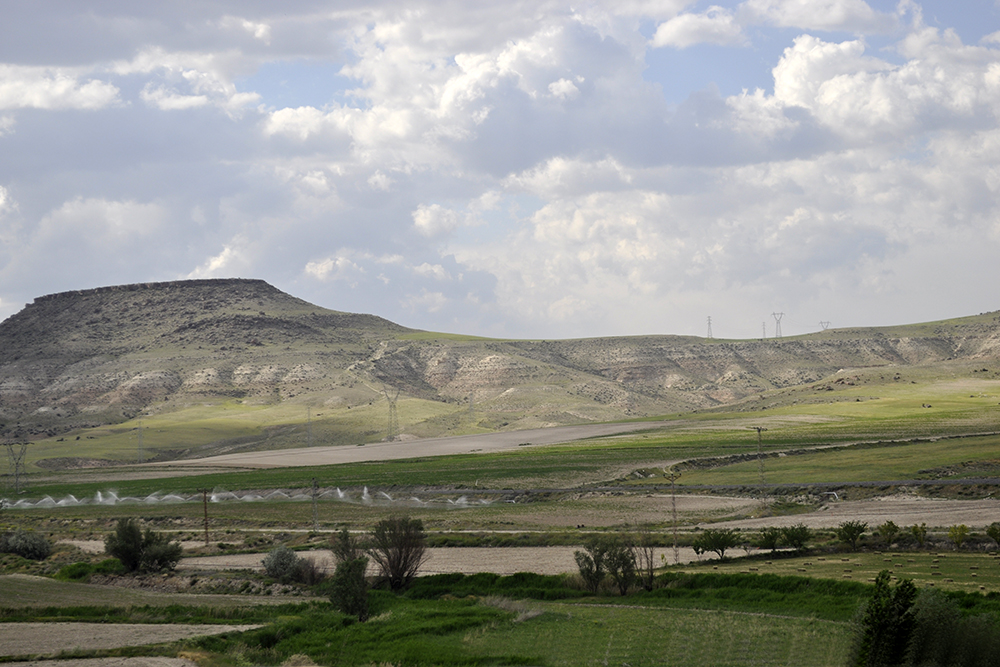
(513, 169)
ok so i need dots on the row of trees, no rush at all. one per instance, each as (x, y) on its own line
(851, 532)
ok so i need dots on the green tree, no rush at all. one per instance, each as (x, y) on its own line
(718, 541)
(141, 551)
(769, 538)
(850, 532)
(620, 559)
(592, 563)
(886, 624)
(796, 536)
(349, 588)
(888, 532)
(919, 533)
(993, 532)
(398, 546)
(958, 534)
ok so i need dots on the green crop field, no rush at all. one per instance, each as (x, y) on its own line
(954, 571)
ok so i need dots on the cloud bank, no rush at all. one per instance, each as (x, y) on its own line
(513, 169)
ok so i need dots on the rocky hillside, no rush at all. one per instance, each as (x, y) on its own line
(103, 356)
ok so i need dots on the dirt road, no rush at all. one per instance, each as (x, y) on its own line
(386, 451)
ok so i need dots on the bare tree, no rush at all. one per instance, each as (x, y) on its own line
(645, 552)
(398, 547)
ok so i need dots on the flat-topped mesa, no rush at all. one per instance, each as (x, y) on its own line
(261, 286)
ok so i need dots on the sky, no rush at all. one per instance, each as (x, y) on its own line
(522, 169)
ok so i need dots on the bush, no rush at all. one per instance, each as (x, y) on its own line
(141, 551)
(281, 563)
(26, 545)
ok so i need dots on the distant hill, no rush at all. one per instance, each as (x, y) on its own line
(90, 358)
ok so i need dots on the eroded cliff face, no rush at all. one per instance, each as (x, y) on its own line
(102, 356)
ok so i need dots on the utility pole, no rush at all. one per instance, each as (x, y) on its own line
(315, 508)
(760, 455)
(204, 501)
(139, 455)
(672, 476)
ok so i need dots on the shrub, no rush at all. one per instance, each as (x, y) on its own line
(398, 547)
(281, 563)
(850, 532)
(141, 551)
(26, 545)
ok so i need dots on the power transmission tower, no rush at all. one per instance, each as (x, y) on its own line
(763, 330)
(777, 324)
(709, 326)
(472, 409)
(16, 461)
(393, 429)
(824, 325)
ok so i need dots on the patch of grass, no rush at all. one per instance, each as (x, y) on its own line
(949, 571)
